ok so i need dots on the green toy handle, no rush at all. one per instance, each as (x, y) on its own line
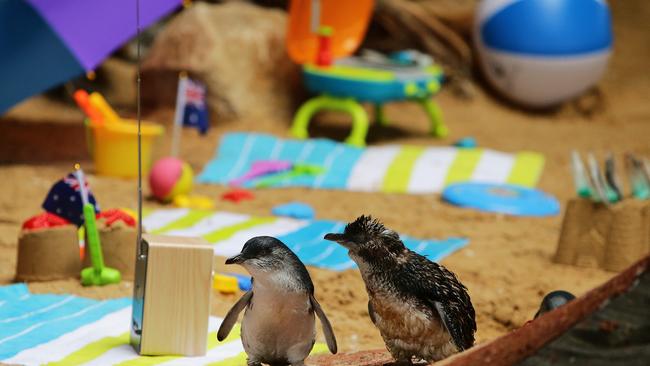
(297, 171)
(94, 247)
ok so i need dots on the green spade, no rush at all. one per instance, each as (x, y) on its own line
(97, 275)
(296, 171)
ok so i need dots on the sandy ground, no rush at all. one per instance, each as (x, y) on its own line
(507, 266)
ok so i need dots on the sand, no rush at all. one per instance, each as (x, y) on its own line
(507, 266)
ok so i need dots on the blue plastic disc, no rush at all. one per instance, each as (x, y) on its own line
(295, 209)
(502, 198)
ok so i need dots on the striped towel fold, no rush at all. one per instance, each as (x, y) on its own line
(388, 168)
(229, 231)
(66, 330)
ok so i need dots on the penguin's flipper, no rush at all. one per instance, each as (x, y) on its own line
(231, 318)
(371, 312)
(327, 327)
(453, 329)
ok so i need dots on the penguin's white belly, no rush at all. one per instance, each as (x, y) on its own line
(278, 326)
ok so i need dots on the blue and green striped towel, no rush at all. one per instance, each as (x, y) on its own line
(66, 330)
(229, 231)
(389, 168)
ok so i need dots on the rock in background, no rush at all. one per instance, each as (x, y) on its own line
(236, 49)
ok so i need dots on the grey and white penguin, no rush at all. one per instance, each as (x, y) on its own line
(278, 327)
(421, 309)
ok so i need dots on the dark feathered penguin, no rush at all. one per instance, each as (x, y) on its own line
(278, 327)
(421, 309)
(554, 300)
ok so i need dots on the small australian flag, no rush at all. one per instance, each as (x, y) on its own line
(193, 101)
(64, 199)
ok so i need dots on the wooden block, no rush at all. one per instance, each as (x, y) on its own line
(172, 289)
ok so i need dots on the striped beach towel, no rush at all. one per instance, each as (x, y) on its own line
(229, 231)
(389, 168)
(65, 330)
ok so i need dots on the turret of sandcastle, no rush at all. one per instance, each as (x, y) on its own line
(611, 237)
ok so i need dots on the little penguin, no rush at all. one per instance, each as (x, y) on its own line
(278, 327)
(421, 309)
(554, 300)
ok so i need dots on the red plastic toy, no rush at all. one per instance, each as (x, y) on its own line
(44, 220)
(113, 215)
(238, 194)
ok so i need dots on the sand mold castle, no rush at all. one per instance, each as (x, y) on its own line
(611, 237)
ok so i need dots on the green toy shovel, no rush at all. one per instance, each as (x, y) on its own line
(97, 275)
(296, 171)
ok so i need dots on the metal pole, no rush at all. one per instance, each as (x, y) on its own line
(137, 20)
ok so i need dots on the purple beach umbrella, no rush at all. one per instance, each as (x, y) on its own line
(44, 43)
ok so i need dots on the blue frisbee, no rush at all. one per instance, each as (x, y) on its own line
(502, 198)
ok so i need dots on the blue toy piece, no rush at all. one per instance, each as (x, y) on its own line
(411, 57)
(244, 282)
(361, 81)
(466, 142)
(344, 85)
(502, 198)
(297, 210)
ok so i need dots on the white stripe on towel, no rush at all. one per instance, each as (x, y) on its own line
(221, 352)
(279, 227)
(493, 167)
(327, 165)
(235, 171)
(111, 325)
(126, 352)
(369, 171)
(39, 311)
(161, 218)
(430, 170)
(211, 223)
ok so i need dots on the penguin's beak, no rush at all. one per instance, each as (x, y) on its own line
(235, 259)
(334, 237)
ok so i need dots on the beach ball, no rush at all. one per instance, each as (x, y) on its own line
(170, 177)
(540, 53)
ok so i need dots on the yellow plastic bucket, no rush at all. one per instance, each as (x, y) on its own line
(114, 147)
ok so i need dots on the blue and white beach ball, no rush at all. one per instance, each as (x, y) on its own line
(543, 52)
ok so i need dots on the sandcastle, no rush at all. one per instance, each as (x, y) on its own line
(51, 251)
(48, 254)
(601, 236)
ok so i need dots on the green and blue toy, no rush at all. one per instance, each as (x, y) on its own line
(322, 36)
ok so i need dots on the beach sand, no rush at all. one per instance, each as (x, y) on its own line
(507, 265)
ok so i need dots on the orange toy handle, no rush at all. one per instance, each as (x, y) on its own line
(101, 105)
(83, 101)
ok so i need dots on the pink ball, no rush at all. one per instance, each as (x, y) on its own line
(165, 174)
